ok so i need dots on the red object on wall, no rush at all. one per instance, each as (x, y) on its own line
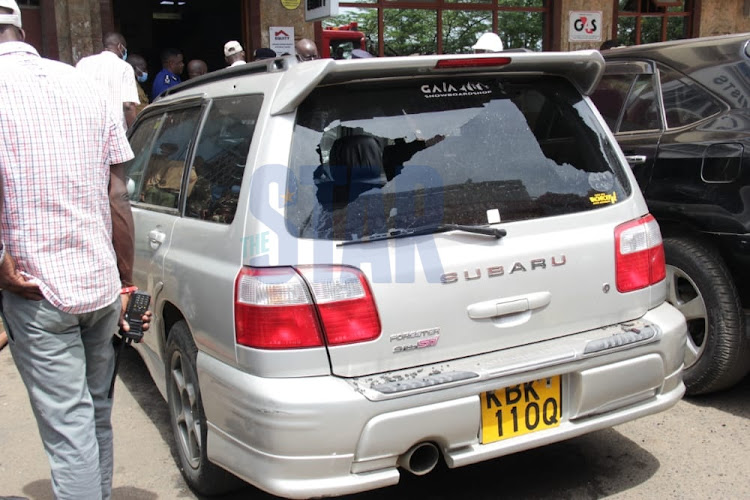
(344, 33)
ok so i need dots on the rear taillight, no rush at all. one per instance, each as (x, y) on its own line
(639, 254)
(345, 303)
(287, 308)
(273, 310)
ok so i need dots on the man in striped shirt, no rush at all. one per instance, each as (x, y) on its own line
(66, 253)
(114, 76)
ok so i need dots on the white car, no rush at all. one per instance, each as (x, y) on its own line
(364, 267)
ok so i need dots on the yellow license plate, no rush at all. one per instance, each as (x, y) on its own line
(521, 409)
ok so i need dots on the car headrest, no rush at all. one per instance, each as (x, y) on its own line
(355, 158)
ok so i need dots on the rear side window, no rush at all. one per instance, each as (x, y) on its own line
(220, 157)
(642, 108)
(610, 97)
(161, 145)
(685, 102)
(376, 158)
(628, 102)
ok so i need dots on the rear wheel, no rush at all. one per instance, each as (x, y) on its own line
(187, 418)
(701, 287)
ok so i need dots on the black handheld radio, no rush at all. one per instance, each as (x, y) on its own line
(137, 307)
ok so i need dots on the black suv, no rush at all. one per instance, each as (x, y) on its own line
(680, 113)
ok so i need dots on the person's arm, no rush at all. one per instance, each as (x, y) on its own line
(130, 96)
(10, 278)
(2, 200)
(123, 237)
(128, 108)
(123, 234)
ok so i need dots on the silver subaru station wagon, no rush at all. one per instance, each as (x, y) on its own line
(360, 268)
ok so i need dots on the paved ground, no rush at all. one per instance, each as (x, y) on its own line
(699, 449)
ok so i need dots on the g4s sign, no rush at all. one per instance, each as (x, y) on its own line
(585, 26)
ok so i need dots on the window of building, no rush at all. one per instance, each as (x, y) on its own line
(405, 27)
(648, 21)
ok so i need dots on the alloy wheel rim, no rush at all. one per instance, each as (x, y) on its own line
(683, 294)
(185, 411)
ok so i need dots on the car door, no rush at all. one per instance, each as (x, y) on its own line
(692, 155)
(162, 142)
(628, 98)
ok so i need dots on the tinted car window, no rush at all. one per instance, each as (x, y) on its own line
(159, 165)
(610, 96)
(220, 158)
(642, 108)
(368, 159)
(685, 102)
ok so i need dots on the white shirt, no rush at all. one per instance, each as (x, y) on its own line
(237, 63)
(115, 77)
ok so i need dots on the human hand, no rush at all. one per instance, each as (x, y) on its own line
(146, 318)
(12, 280)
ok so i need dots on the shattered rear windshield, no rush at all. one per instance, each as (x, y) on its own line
(373, 158)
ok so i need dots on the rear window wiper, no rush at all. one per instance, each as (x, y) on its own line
(440, 228)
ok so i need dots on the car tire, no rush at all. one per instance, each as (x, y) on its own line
(187, 418)
(700, 285)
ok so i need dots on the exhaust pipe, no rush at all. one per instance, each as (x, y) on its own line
(420, 458)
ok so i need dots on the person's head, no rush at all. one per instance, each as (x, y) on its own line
(115, 43)
(171, 60)
(10, 22)
(264, 53)
(196, 67)
(233, 52)
(139, 66)
(609, 44)
(488, 42)
(306, 50)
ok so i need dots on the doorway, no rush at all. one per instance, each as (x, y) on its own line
(199, 28)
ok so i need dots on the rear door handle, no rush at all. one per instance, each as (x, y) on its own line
(156, 238)
(508, 305)
(636, 159)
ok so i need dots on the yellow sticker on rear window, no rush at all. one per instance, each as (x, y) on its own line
(604, 198)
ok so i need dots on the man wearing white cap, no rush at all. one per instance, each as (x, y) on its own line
(488, 42)
(66, 253)
(234, 54)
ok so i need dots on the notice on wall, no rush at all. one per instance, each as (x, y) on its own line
(585, 26)
(282, 39)
(315, 10)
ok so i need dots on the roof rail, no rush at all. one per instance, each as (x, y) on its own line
(263, 66)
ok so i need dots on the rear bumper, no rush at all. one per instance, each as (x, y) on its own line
(320, 436)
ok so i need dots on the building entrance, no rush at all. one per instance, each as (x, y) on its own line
(199, 28)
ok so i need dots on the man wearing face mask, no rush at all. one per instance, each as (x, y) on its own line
(114, 76)
(141, 74)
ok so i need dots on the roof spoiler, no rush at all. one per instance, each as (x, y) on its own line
(582, 68)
